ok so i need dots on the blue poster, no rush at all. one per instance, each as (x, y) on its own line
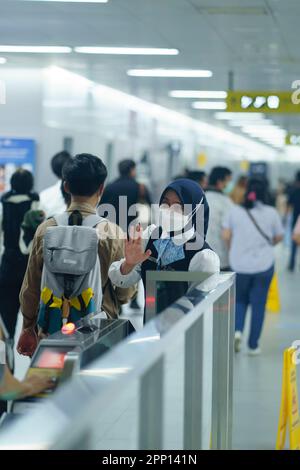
(15, 153)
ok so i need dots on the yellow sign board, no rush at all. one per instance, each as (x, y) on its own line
(244, 165)
(273, 300)
(292, 139)
(289, 409)
(201, 160)
(263, 102)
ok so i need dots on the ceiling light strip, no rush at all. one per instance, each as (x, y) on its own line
(126, 50)
(172, 73)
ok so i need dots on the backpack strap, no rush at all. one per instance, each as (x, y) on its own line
(62, 219)
(92, 220)
(259, 229)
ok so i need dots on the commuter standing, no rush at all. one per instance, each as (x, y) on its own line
(251, 231)
(84, 177)
(238, 193)
(296, 232)
(126, 186)
(176, 244)
(52, 201)
(199, 176)
(294, 207)
(220, 184)
(15, 204)
(131, 192)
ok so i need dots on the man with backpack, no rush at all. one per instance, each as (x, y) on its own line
(67, 273)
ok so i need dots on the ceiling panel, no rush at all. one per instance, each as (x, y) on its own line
(256, 39)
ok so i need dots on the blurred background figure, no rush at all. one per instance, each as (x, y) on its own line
(199, 176)
(52, 201)
(238, 193)
(15, 205)
(251, 232)
(296, 232)
(294, 209)
(132, 193)
(219, 184)
(127, 186)
(281, 199)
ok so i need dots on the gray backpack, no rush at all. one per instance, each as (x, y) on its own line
(71, 278)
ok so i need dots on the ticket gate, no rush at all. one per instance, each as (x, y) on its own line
(66, 352)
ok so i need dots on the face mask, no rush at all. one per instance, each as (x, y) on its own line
(168, 252)
(172, 221)
(229, 187)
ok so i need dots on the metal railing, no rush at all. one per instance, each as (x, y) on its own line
(166, 386)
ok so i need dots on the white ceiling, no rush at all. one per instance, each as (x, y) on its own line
(256, 39)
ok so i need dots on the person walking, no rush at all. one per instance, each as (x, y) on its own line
(15, 205)
(251, 231)
(220, 185)
(52, 201)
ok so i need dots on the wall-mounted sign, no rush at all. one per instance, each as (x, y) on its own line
(261, 102)
(244, 165)
(258, 170)
(292, 139)
(201, 160)
(15, 153)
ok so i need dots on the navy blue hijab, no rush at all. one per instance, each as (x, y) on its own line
(190, 192)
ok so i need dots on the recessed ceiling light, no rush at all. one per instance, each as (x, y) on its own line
(36, 49)
(209, 105)
(127, 50)
(181, 73)
(197, 94)
(3, 60)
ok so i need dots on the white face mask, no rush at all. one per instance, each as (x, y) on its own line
(173, 221)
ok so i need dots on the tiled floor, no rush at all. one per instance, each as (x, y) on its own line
(257, 380)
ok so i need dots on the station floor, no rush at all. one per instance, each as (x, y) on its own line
(257, 380)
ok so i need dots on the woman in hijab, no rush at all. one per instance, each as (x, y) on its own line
(177, 243)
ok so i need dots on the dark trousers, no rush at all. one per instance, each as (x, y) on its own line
(9, 306)
(293, 256)
(12, 271)
(252, 289)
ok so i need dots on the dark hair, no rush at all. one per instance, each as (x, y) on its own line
(218, 173)
(58, 162)
(298, 176)
(84, 174)
(22, 181)
(65, 195)
(125, 167)
(256, 191)
(196, 175)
